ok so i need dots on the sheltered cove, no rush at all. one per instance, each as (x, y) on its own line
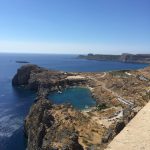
(79, 97)
(124, 93)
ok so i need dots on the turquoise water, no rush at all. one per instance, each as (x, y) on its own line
(78, 97)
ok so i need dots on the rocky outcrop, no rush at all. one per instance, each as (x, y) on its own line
(23, 74)
(46, 131)
(43, 81)
(118, 125)
(108, 136)
(50, 126)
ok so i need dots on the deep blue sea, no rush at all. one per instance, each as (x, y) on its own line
(15, 102)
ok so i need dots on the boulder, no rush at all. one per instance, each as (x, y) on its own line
(108, 136)
(119, 126)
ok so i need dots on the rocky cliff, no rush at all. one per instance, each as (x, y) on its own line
(23, 74)
(50, 126)
(43, 81)
(138, 58)
(46, 129)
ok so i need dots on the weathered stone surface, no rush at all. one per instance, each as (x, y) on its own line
(23, 74)
(119, 126)
(35, 124)
(44, 132)
(108, 136)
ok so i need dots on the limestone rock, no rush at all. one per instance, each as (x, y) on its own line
(23, 74)
(44, 130)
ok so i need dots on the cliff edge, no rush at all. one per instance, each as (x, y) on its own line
(119, 96)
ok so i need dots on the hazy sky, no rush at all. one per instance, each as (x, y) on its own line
(75, 26)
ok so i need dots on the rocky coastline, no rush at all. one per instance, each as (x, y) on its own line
(119, 95)
(127, 58)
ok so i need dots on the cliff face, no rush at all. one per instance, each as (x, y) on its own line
(23, 74)
(138, 58)
(43, 81)
(45, 130)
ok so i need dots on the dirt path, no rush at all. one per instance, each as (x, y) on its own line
(119, 98)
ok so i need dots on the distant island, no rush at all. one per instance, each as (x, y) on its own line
(125, 57)
(23, 62)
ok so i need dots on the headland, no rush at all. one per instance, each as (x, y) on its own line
(125, 57)
(119, 96)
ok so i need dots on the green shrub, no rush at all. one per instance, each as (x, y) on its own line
(101, 106)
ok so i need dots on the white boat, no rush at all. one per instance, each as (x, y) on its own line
(59, 92)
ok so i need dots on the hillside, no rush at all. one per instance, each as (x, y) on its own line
(131, 58)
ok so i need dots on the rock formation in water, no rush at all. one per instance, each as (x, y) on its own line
(50, 126)
(131, 58)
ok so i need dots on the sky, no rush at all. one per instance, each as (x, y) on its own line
(75, 26)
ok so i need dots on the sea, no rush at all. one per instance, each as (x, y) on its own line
(15, 102)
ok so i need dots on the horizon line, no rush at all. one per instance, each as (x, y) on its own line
(44, 53)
